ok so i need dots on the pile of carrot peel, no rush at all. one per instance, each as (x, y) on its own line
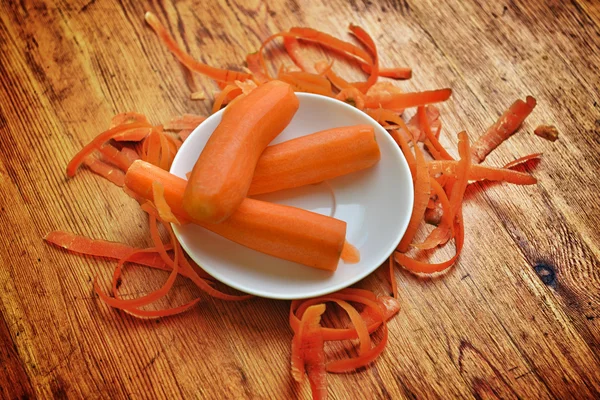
(440, 182)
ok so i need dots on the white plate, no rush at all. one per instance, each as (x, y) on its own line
(375, 203)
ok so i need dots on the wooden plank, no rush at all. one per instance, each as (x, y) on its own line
(516, 318)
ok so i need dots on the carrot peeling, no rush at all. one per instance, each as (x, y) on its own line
(502, 129)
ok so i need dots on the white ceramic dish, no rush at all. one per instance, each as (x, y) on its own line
(375, 203)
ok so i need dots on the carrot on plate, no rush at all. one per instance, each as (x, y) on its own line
(315, 158)
(222, 174)
(285, 232)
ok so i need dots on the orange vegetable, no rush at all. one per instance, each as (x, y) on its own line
(222, 175)
(305, 82)
(129, 132)
(504, 128)
(308, 354)
(400, 101)
(456, 197)
(101, 248)
(523, 160)
(163, 209)
(185, 121)
(292, 46)
(350, 254)
(422, 188)
(315, 158)
(221, 75)
(442, 233)
(481, 172)
(368, 42)
(281, 231)
(424, 122)
(107, 171)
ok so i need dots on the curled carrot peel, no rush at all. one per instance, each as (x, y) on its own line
(222, 75)
(230, 92)
(143, 300)
(400, 101)
(304, 82)
(410, 158)
(422, 188)
(523, 160)
(292, 46)
(333, 43)
(456, 196)
(164, 211)
(481, 172)
(123, 131)
(422, 267)
(325, 68)
(444, 231)
(116, 157)
(394, 73)
(185, 121)
(502, 129)
(393, 283)
(367, 40)
(308, 355)
(111, 250)
(107, 171)
(255, 66)
(424, 122)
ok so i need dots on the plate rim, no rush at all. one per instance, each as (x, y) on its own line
(330, 289)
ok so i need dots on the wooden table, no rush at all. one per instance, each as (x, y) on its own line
(517, 317)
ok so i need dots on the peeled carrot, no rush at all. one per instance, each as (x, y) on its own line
(502, 129)
(281, 231)
(222, 175)
(350, 254)
(315, 158)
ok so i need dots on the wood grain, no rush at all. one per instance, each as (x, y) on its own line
(518, 317)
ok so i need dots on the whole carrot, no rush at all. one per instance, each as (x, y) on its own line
(314, 158)
(285, 232)
(222, 175)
